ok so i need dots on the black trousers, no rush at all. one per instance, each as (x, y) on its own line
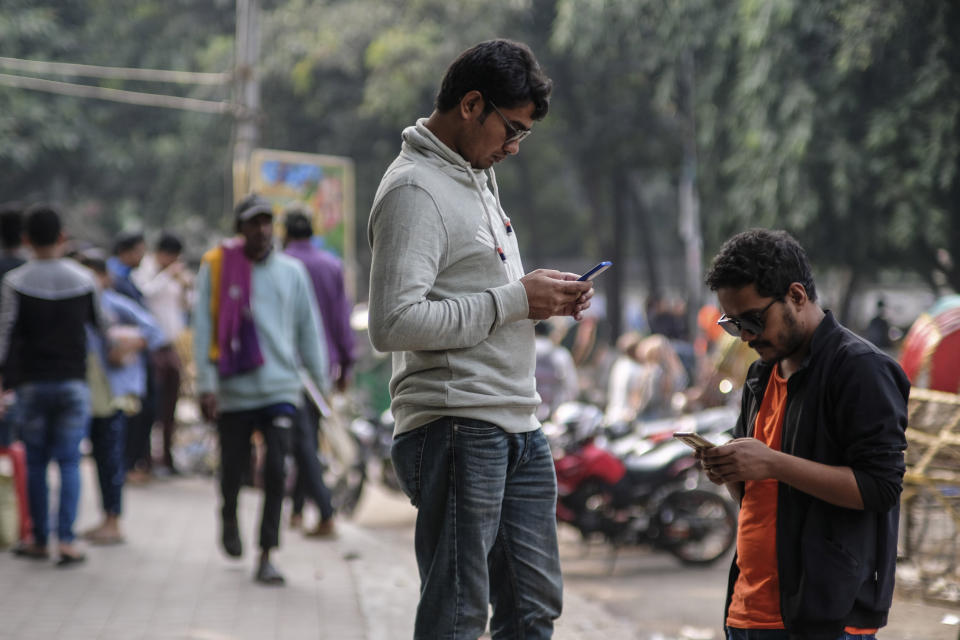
(309, 470)
(235, 429)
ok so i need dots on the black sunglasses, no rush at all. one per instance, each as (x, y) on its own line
(751, 322)
(513, 133)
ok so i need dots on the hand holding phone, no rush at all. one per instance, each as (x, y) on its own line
(597, 270)
(693, 440)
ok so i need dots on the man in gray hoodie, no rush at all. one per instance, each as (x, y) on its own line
(449, 298)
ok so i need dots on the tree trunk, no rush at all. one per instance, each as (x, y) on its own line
(688, 202)
(641, 218)
(846, 302)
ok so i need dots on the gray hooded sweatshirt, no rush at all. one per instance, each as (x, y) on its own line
(445, 295)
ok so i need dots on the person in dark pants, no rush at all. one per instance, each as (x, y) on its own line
(326, 276)
(164, 281)
(45, 307)
(11, 257)
(309, 480)
(255, 321)
(817, 464)
(120, 357)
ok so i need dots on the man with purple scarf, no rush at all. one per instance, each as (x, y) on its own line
(326, 275)
(255, 321)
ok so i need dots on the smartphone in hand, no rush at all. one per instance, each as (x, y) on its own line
(693, 440)
(597, 270)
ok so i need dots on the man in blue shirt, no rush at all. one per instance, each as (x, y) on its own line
(120, 357)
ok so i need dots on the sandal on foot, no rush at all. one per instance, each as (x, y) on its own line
(68, 559)
(32, 551)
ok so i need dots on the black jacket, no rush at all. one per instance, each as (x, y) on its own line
(846, 406)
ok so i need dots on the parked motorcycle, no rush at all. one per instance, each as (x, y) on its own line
(649, 491)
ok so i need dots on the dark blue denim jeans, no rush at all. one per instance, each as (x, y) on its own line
(309, 469)
(54, 418)
(781, 634)
(108, 437)
(486, 529)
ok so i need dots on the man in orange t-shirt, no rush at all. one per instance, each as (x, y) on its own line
(817, 462)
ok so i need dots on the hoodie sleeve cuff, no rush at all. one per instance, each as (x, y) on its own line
(511, 302)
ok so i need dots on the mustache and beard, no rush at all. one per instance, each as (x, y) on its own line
(788, 339)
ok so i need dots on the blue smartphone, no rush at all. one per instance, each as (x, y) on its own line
(597, 270)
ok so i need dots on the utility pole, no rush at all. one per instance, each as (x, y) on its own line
(689, 202)
(247, 93)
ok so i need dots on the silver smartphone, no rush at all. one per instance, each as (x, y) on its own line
(693, 440)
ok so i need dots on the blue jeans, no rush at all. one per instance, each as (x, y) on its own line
(781, 634)
(54, 418)
(486, 529)
(109, 437)
(309, 470)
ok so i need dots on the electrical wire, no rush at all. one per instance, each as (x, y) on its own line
(116, 73)
(117, 95)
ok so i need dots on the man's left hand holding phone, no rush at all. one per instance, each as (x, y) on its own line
(556, 293)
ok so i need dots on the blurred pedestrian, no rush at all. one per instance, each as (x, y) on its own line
(120, 356)
(255, 320)
(326, 276)
(129, 247)
(449, 297)
(668, 376)
(166, 285)
(45, 306)
(878, 329)
(555, 372)
(631, 383)
(12, 256)
(817, 464)
(12, 253)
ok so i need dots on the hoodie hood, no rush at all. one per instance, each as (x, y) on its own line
(420, 141)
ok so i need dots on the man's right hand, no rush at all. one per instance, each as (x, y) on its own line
(208, 406)
(554, 293)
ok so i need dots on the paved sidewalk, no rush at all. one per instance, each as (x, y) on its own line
(171, 581)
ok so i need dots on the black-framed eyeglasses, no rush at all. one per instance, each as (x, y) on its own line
(751, 322)
(513, 134)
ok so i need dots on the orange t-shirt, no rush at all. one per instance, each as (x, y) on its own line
(756, 595)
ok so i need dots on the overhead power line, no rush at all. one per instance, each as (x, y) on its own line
(116, 95)
(116, 73)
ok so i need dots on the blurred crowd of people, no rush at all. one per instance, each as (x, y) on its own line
(97, 345)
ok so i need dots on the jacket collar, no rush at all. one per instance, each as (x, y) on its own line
(758, 382)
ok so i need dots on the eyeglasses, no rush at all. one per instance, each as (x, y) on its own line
(751, 322)
(513, 134)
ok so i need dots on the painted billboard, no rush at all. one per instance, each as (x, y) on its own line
(321, 185)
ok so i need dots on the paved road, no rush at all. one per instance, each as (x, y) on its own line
(170, 581)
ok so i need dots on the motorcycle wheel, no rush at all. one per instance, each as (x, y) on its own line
(697, 526)
(589, 504)
(346, 488)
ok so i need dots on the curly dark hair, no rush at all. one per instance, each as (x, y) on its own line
(503, 71)
(769, 260)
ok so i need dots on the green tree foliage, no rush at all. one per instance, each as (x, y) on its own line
(838, 120)
(115, 165)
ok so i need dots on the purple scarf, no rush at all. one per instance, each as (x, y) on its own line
(236, 330)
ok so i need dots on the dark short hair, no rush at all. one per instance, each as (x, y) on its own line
(503, 71)
(297, 224)
(769, 260)
(169, 243)
(11, 225)
(126, 241)
(43, 225)
(93, 259)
